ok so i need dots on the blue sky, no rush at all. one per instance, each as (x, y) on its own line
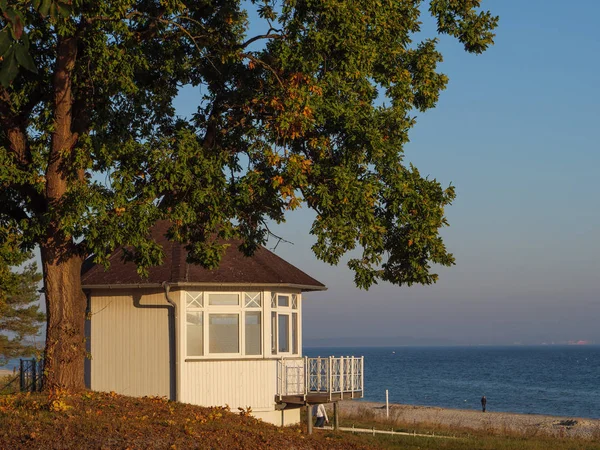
(516, 133)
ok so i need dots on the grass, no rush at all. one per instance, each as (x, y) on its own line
(92, 420)
(9, 384)
(106, 420)
(462, 438)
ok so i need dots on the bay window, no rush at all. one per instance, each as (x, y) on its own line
(230, 324)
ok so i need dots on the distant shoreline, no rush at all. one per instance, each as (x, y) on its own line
(309, 346)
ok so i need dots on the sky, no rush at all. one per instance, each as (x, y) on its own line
(516, 133)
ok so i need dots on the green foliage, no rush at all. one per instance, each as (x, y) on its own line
(20, 319)
(315, 112)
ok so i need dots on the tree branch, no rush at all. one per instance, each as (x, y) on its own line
(14, 129)
(260, 36)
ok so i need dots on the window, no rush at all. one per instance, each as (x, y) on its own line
(223, 299)
(283, 301)
(273, 300)
(285, 323)
(195, 334)
(274, 333)
(295, 333)
(223, 334)
(253, 333)
(252, 300)
(283, 326)
(225, 324)
(193, 299)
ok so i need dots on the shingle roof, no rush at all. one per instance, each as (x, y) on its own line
(263, 268)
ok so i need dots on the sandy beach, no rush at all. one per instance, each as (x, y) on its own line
(5, 372)
(526, 424)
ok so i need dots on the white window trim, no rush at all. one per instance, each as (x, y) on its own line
(209, 309)
(287, 310)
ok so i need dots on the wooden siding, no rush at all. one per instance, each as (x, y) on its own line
(131, 342)
(237, 383)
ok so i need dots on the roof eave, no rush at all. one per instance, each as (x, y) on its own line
(302, 287)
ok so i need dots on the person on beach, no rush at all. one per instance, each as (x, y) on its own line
(321, 415)
(483, 402)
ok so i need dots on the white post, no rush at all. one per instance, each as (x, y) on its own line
(306, 375)
(387, 404)
(329, 376)
(352, 387)
(362, 376)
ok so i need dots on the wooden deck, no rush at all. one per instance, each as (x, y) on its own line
(317, 397)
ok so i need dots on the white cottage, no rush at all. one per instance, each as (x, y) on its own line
(231, 336)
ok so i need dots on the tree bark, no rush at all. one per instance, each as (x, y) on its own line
(61, 262)
(65, 310)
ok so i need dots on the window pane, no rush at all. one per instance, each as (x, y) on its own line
(223, 299)
(195, 334)
(284, 330)
(252, 300)
(223, 333)
(273, 300)
(295, 333)
(253, 333)
(283, 300)
(193, 299)
(274, 333)
(294, 301)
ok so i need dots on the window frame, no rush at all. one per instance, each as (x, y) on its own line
(293, 307)
(240, 310)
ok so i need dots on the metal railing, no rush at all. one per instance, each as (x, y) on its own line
(31, 374)
(330, 375)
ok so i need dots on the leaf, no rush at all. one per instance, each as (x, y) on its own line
(5, 42)
(9, 69)
(44, 8)
(65, 10)
(24, 58)
(17, 22)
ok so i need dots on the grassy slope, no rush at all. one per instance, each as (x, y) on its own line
(98, 420)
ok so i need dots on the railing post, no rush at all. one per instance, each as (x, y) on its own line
(362, 376)
(306, 381)
(352, 376)
(329, 377)
(279, 381)
(33, 375)
(21, 375)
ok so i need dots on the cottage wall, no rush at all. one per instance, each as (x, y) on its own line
(133, 348)
(131, 343)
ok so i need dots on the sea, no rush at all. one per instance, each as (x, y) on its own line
(551, 380)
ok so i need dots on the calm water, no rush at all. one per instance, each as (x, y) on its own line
(562, 381)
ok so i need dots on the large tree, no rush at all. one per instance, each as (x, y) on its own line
(20, 317)
(313, 109)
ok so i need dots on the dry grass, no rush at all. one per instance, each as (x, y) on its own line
(487, 436)
(9, 384)
(104, 421)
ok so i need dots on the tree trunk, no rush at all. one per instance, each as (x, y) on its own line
(65, 301)
(65, 309)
